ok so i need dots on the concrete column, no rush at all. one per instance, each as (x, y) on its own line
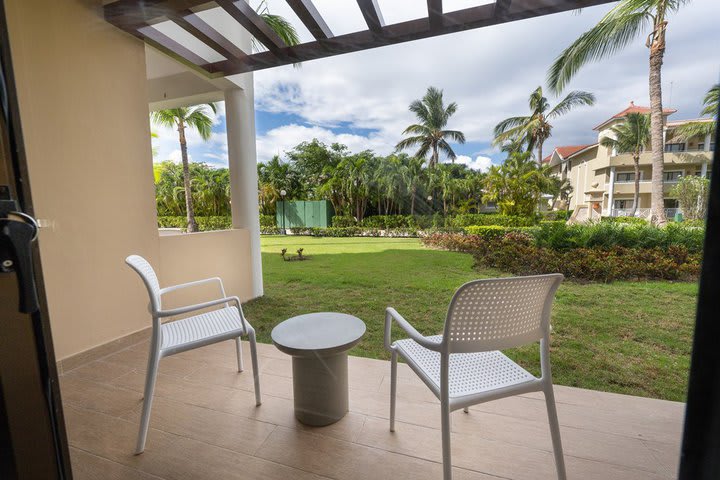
(611, 192)
(703, 170)
(708, 138)
(242, 159)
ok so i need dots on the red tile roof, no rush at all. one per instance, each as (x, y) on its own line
(567, 151)
(632, 108)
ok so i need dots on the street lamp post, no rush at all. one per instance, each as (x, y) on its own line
(282, 194)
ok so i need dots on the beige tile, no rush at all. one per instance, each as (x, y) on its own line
(229, 377)
(99, 397)
(86, 466)
(99, 371)
(169, 456)
(346, 461)
(667, 456)
(137, 360)
(468, 452)
(216, 428)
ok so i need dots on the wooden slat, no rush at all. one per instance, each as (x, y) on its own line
(372, 15)
(502, 7)
(435, 12)
(174, 48)
(309, 15)
(133, 15)
(244, 14)
(197, 27)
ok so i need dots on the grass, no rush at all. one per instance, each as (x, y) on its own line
(625, 337)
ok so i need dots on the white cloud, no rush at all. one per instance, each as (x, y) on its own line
(490, 73)
(481, 162)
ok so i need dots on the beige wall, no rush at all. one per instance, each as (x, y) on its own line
(83, 99)
(189, 257)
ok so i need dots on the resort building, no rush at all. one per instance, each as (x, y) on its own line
(603, 180)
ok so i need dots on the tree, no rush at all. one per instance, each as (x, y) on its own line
(702, 129)
(518, 185)
(278, 24)
(198, 118)
(413, 175)
(632, 136)
(692, 193)
(534, 129)
(430, 135)
(626, 21)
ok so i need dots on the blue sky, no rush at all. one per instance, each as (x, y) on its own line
(361, 99)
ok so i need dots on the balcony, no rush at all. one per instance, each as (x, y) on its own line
(628, 188)
(640, 212)
(676, 159)
(205, 425)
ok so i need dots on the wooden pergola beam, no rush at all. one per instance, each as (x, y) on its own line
(435, 13)
(197, 27)
(309, 15)
(244, 14)
(135, 17)
(371, 13)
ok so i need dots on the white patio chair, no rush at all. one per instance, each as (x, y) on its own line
(225, 323)
(464, 366)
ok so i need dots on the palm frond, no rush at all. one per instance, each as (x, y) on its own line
(573, 99)
(624, 23)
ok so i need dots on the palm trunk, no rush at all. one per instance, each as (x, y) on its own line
(657, 51)
(434, 157)
(192, 224)
(540, 150)
(636, 198)
(412, 201)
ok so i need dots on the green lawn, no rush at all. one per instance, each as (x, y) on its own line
(627, 337)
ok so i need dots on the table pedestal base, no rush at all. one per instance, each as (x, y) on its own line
(320, 388)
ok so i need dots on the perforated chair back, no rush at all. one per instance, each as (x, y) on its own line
(500, 313)
(149, 278)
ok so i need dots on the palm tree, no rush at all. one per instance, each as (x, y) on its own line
(533, 130)
(413, 174)
(631, 136)
(628, 20)
(196, 117)
(702, 129)
(430, 134)
(280, 25)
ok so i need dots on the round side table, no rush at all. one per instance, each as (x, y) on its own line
(318, 344)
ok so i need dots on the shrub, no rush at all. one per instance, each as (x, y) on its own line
(204, 223)
(495, 231)
(384, 222)
(555, 215)
(516, 252)
(343, 221)
(267, 221)
(628, 220)
(466, 220)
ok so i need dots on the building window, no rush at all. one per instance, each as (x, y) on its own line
(622, 204)
(701, 146)
(672, 177)
(675, 147)
(625, 177)
(671, 203)
(712, 146)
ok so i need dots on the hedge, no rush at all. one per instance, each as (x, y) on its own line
(517, 253)
(628, 220)
(470, 219)
(204, 223)
(496, 231)
(268, 221)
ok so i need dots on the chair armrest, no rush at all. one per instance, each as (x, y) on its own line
(193, 284)
(390, 315)
(199, 306)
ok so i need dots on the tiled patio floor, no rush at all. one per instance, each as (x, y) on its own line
(205, 425)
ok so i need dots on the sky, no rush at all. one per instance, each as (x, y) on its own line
(361, 99)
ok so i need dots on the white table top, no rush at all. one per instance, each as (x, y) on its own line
(323, 333)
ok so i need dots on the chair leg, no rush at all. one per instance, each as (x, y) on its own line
(238, 347)
(150, 378)
(447, 462)
(256, 369)
(555, 432)
(466, 409)
(393, 388)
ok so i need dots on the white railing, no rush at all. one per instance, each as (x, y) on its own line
(671, 212)
(628, 212)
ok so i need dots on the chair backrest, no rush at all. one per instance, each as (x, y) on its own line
(499, 313)
(149, 278)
